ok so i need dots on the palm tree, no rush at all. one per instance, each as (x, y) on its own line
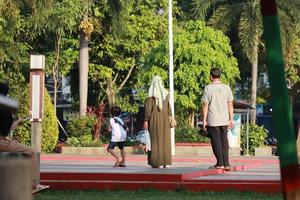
(244, 16)
(86, 28)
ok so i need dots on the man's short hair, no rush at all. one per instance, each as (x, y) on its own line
(215, 72)
(6, 120)
(115, 111)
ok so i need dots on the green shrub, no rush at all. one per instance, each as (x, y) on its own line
(49, 125)
(80, 130)
(257, 135)
(189, 135)
(79, 126)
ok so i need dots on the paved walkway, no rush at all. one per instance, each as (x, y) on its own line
(192, 173)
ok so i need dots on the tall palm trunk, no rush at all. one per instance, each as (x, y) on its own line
(83, 73)
(254, 84)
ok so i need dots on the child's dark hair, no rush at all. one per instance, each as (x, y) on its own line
(215, 72)
(115, 111)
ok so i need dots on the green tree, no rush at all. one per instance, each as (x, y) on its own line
(197, 49)
(56, 31)
(244, 16)
(63, 19)
(12, 50)
(115, 55)
(16, 21)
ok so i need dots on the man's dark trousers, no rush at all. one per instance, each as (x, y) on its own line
(219, 143)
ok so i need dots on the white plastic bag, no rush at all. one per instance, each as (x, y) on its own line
(147, 140)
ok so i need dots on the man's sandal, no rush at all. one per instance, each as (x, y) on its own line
(216, 167)
(227, 168)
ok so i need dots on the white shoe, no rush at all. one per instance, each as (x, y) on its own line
(41, 187)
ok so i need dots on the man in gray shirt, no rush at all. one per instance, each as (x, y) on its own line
(218, 117)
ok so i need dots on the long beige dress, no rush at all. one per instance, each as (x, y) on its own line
(159, 130)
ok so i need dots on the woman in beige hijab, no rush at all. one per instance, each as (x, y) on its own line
(157, 112)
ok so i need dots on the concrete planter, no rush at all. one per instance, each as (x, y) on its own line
(180, 150)
(84, 150)
(263, 151)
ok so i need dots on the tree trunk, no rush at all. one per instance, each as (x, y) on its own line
(254, 85)
(55, 71)
(55, 91)
(83, 73)
(110, 92)
(192, 118)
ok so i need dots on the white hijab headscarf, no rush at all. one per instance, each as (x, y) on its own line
(157, 91)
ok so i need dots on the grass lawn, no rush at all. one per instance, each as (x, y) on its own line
(153, 195)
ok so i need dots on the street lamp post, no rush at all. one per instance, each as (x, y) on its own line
(37, 82)
(171, 78)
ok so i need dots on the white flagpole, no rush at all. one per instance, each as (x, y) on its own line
(171, 78)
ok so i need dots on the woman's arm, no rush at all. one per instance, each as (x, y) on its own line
(148, 112)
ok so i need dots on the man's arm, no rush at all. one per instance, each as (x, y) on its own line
(230, 112)
(204, 113)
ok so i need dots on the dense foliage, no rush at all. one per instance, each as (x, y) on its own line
(123, 33)
(128, 44)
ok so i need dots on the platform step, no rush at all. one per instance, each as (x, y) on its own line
(216, 185)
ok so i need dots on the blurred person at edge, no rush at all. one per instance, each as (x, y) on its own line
(7, 144)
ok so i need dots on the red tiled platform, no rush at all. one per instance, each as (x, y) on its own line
(186, 173)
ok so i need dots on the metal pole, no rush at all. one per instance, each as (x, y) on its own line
(36, 136)
(131, 132)
(171, 78)
(247, 133)
(36, 131)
